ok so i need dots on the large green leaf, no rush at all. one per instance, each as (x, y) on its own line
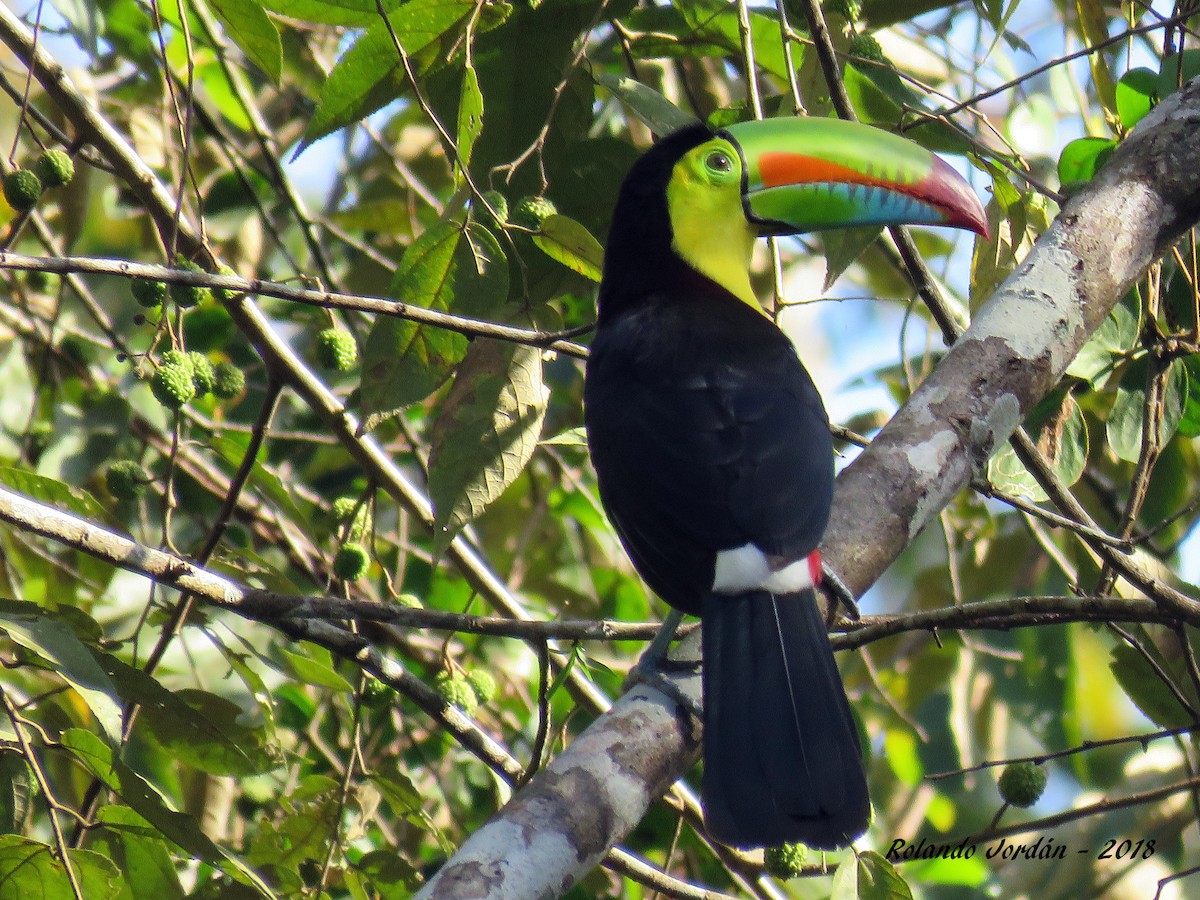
(370, 74)
(1110, 343)
(1059, 429)
(657, 113)
(485, 432)
(451, 269)
(142, 858)
(55, 641)
(349, 13)
(1079, 160)
(868, 876)
(1125, 421)
(1145, 686)
(567, 241)
(31, 870)
(145, 800)
(470, 115)
(252, 30)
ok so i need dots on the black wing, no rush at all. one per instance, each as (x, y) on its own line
(706, 433)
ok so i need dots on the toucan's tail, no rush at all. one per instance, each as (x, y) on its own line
(782, 760)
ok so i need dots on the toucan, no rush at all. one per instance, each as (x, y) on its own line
(712, 448)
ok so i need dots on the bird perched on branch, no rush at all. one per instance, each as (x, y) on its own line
(712, 446)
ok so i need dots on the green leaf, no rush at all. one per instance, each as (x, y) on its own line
(868, 876)
(567, 241)
(53, 492)
(350, 13)
(390, 874)
(144, 799)
(572, 437)
(142, 858)
(1110, 343)
(881, 98)
(1178, 68)
(30, 870)
(370, 74)
(470, 115)
(1081, 158)
(484, 433)
(450, 269)
(53, 639)
(251, 28)
(314, 666)
(657, 113)
(1189, 422)
(1146, 688)
(1059, 429)
(1125, 419)
(1137, 92)
(843, 246)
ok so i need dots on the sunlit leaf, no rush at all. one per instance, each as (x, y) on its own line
(451, 269)
(1059, 429)
(868, 876)
(567, 241)
(252, 30)
(485, 432)
(52, 639)
(470, 115)
(1125, 421)
(31, 870)
(1137, 92)
(657, 113)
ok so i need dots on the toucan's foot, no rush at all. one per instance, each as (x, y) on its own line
(838, 592)
(655, 669)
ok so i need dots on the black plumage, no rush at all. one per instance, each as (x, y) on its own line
(707, 433)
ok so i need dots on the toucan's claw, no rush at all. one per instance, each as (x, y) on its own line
(838, 593)
(656, 667)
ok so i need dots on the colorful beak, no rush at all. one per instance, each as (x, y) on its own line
(811, 174)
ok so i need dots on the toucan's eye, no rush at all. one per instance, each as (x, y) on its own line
(718, 161)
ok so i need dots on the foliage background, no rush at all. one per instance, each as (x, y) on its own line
(153, 745)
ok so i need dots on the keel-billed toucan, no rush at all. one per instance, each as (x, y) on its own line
(713, 451)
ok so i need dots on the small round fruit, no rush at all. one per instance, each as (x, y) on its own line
(483, 684)
(865, 46)
(188, 295)
(351, 561)
(22, 190)
(126, 479)
(850, 10)
(42, 282)
(336, 350)
(55, 168)
(1022, 784)
(148, 294)
(530, 212)
(173, 385)
(785, 861)
(228, 380)
(498, 203)
(223, 294)
(203, 374)
(456, 690)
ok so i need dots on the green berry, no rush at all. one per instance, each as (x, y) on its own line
(456, 690)
(483, 684)
(412, 601)
(344, 507)
(173, 384)
(377, 694)
(497, 202)
(22, 189)
(351, 561)
(530, 212)
(42, 282)
(850, 10)
(221, 293)
(177, 358)
(203, 374)
(1021, 784)
(228, 380)
(76, 349)
(785, 861)
(347, 511)
(864, 46)
(188, 295)
(148, 294)
(336, 350)
(55, 168)
(126, 479)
